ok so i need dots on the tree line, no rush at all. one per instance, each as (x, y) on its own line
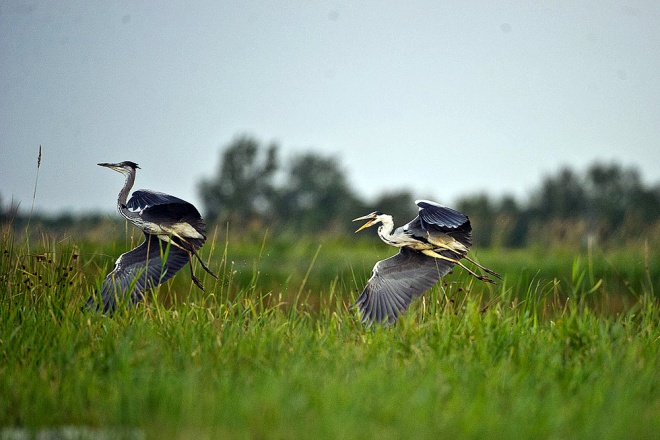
(607, 203)
(310, 193)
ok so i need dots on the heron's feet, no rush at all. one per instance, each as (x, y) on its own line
(485, 269)
(492, 272)
(485, 279)
(197, 282)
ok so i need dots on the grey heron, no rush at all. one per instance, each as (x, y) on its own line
(174, 231)
(430, 245)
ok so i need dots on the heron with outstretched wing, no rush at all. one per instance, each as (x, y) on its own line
(174, 232)
(430, 245)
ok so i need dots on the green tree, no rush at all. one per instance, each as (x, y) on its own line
(646, 204)
(610, 191)
(243, 189)
(481, 212)
(511, 223)
(315, 196)
(562, 196)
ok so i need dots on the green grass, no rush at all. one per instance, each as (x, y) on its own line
(567, 346)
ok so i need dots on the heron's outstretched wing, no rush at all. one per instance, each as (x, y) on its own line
(136, 271)
(442, 217)
(396, 281)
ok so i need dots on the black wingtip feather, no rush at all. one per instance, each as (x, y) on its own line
(431, 213)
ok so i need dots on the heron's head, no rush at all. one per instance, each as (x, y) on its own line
(124, 167)
(373, 218)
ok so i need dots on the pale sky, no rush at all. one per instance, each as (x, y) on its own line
(442, 99)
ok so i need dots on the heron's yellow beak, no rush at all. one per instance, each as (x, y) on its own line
(367, 224)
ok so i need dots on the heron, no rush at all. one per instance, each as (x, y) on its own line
(174, 232)
(430, 245)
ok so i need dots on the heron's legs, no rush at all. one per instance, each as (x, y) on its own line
(456, 249)
(434, 254)
(190, 249)
(195, 280)
(194, 252)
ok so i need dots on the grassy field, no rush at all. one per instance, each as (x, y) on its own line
(566, 346)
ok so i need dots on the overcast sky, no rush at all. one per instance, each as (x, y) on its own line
(445, 100)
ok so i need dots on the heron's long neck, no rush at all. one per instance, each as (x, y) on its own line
(386, 228)
(123, 195)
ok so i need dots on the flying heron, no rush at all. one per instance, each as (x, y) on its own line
(174, 232)
(430, 245)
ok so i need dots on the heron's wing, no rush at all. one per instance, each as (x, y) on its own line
(144, 198)
(136, 271)
(170, 213)
(173, 213)
(442, 226)
(396, 281)
(442, 217)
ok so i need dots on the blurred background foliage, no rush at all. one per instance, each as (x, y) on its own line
(310, 194)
